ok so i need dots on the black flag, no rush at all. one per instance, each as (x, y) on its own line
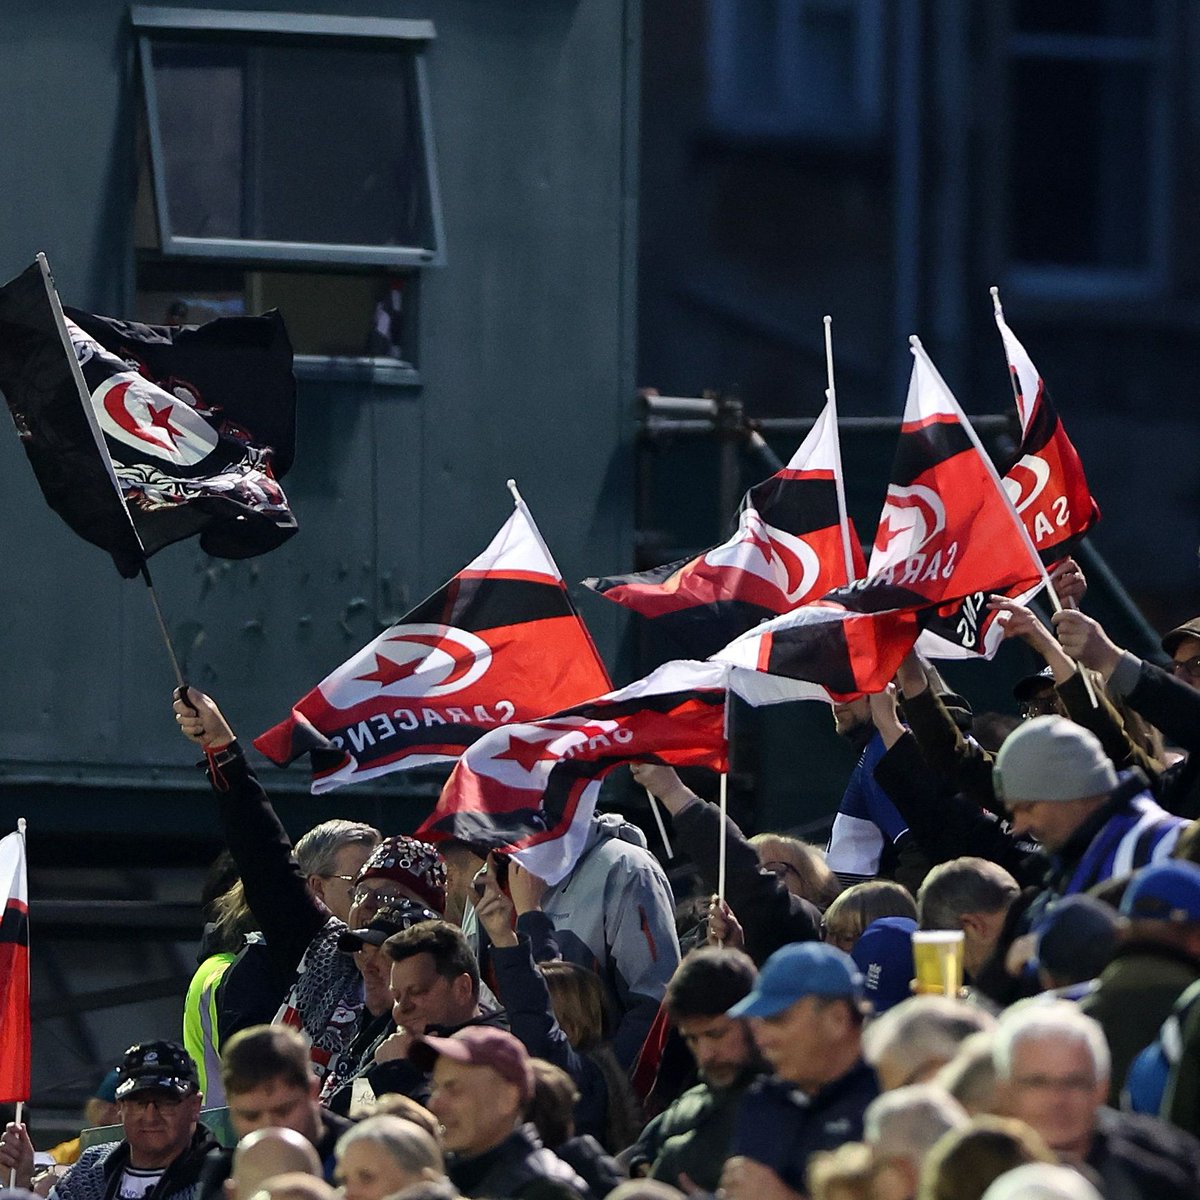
(193, 425)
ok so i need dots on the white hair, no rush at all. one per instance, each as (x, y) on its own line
(922, 1031)
(905, 1122)
(1055, 1020)
(1041, 1181)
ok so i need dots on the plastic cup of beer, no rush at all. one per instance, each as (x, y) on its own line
(938, 960)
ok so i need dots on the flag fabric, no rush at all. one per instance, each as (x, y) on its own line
(1046, 483)
(14, 972)
(196, 425)
(947, 537)
(833, 649)
(531, 788)
(788, 549)
(499, 643)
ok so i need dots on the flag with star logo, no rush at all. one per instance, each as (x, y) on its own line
(143, 435)
(14, 972)
(499, 643)
(948, 536)
(790, 547)
(531, 788)
(1046, 482)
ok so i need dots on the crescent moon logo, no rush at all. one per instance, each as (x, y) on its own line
(912, 517)
(780, 558)
(138, 413)
(1026, 481)
(412, 660)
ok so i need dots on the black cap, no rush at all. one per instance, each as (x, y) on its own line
(156, 1066)
(1028, 687)
(389, 919)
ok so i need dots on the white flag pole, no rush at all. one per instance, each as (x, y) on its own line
(1018, 524)
(12, 1174)
(724, 806)
(662, 829)
(838, 481)
(994, 292)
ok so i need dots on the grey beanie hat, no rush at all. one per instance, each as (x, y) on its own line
(1051, 758)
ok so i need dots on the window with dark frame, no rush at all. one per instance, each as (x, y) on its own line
(1089, 197)
(287, 161)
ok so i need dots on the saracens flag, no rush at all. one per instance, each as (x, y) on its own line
(531, 788)
(947, 537)
(499, 643)
(179, 431)
(790, 547)
(1046, 483)
(14, 972)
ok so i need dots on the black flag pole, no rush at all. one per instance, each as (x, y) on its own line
(85, 399)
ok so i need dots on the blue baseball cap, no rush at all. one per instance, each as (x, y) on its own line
(798, 970)
(884, 955)
(1167, 891)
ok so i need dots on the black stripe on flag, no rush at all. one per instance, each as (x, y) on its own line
(14, 926)
(920, 450)
(488, 603)
(796, 505)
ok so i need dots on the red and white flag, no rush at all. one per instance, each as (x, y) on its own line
(948, 533)
(14, 972)
(499, 643)
(947, 537)
(1046, 484)
(531, 789)
(791, 546)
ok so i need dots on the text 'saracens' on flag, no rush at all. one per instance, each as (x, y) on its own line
(788, 549)
(14, 972)
(499, 643)
(531, 788)
(1046, 483)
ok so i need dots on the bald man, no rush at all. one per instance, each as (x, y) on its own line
(266, 1153)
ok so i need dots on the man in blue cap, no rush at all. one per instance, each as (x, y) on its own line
(806, 1014)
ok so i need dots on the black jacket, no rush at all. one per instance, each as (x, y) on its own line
(1142, 1158)
(218, 1165)
(769, 914)
(520, 1168)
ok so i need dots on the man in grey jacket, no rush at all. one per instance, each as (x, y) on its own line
(612, 914)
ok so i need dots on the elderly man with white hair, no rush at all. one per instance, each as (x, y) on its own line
(909, 1043)
(1053, 1065)
(901, 1127)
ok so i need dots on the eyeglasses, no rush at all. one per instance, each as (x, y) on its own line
(780, 870)
(1187, 666)
(160, 1100)
(1052, 1083)
(344, 878)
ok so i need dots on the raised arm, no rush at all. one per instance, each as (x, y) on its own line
(286, 911)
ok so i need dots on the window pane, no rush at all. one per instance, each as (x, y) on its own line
(292, 143)
(1078, 186)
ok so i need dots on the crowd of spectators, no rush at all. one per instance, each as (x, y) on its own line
(382, 1018)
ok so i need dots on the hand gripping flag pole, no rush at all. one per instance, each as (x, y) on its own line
(919, 351)
(105, 458)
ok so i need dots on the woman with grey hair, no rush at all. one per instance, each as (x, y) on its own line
(383, 1154)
